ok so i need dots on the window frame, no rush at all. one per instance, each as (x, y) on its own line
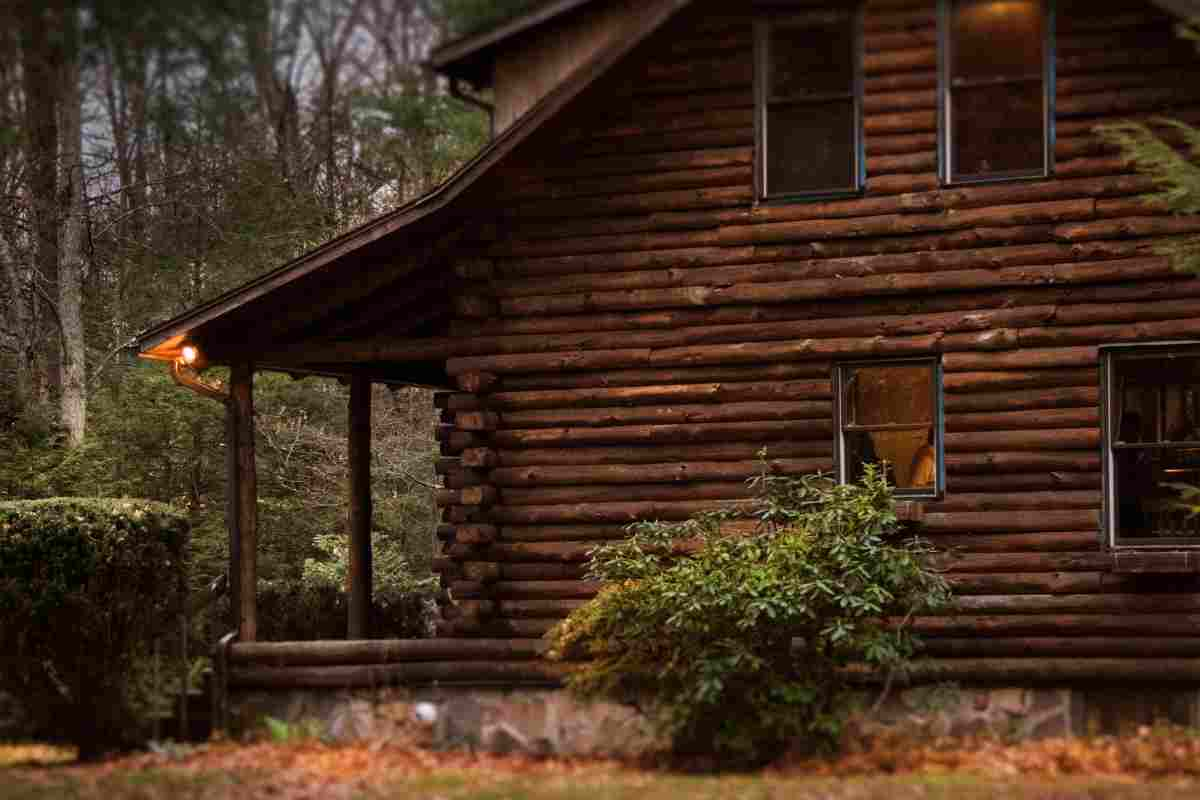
(1108, 402)
(839, 383)
(945, 105)
(782, 14)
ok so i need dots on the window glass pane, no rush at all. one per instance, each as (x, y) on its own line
(996, 38)
(810, 147)
(896, 406)
(998, 128)
(811, 58)
(891, 394)
(1158, 399)
(1156, 403)
(908, 458)
(1147, 504)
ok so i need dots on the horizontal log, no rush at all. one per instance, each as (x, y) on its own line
(377, 675)
(1015, 561)
(667, 414)
(1072, 647)
(1038, 439)
(381, 651)
(1073, 397)
(1057, 211)
(674, 472)
(542, 552)
(1033, 481)
(1059, 624)
(654, 453)
(562, 533)
(475, 534)
(1014, 583)
(483, 571)
(468, 496)
(538, 609)
(1012, 521)
(991, 382)
(1079, 604)
(605, 512)
(481, 457)
(1129, 226)
(537, 590)
(1121, 332)
(603, 493)
(996, 501)
(1023, 420)
(542, 571)
(678, 393)
(1012, 542)
(1025, 359)
(756, 431)
(658, 377)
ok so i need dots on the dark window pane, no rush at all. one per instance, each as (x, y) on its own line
(996, 38)
(1158, 399)
(810, 147)
(1148, 503)
(805, 59)
(998, 129)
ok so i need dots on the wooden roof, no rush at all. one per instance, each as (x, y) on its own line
(348, 269)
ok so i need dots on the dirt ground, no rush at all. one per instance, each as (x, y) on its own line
(1163, 764)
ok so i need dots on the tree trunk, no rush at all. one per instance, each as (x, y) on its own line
(73, 400)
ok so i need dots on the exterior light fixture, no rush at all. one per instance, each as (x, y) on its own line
(191, 354)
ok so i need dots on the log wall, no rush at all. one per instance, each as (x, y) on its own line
(638, 329)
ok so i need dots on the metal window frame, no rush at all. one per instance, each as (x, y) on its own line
(840, 461)
(767, 15)
(1108, 402)
(945, 106)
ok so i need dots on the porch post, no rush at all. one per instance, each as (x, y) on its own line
(359, 513)
(241, 381)
(233, 513)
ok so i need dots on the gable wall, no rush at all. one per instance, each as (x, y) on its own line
(638, 330)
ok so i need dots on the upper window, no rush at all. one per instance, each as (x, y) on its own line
(996, 95)
(808, 89)
(890, 414)
(1152, 443)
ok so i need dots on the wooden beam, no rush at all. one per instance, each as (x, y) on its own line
(359, 513)
(233, 513)
(241, 379)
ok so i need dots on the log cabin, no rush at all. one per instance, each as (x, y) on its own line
(842, 233)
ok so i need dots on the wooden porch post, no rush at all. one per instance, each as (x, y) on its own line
(241, 381)
(359, 513)
(233, 513)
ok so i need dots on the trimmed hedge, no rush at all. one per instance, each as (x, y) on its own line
(85, 586)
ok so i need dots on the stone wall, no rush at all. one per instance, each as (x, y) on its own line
(551, 722)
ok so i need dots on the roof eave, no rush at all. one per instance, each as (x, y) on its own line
(462, 57)
(160, 341)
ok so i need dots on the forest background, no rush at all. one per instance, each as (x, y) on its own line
(155, 153)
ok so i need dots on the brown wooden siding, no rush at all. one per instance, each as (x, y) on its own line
(639, 329)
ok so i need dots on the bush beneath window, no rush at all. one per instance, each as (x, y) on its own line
(703, 644)
(85, 586)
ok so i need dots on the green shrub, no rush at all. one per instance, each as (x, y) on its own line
(704, 643)
(85, 585)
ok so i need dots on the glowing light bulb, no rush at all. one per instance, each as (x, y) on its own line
(191, 354)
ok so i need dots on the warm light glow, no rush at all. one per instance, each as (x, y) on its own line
(190, 354)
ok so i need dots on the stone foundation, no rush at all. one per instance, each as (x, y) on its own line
(551, 722)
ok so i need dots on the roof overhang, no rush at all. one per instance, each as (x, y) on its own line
(471, 58)
(352, 255)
